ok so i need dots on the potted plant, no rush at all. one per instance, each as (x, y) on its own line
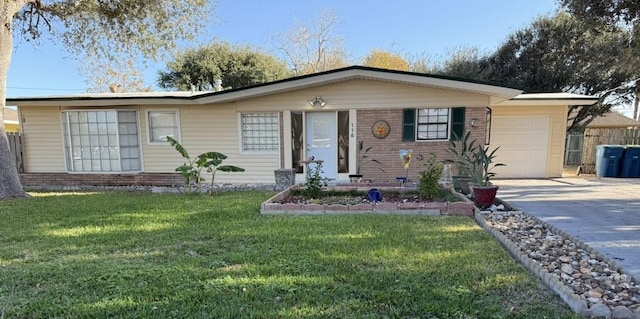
(363, 159)
(481, 165)
(462, 149)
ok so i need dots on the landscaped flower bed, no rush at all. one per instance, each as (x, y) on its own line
(353, 200)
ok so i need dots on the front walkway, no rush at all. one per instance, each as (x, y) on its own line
(604, 213)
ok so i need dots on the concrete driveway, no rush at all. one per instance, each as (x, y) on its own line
(602, 212)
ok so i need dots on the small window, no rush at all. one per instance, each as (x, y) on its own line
(260, 132)
(163, 124)
(433, 124)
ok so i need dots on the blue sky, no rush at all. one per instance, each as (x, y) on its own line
(409, 27)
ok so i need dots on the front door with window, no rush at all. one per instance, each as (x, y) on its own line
(321, 141)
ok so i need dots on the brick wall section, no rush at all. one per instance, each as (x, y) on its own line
(64, 179)
(387, 150)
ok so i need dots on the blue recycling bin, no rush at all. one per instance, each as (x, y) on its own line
(608, 158)
(630, 166)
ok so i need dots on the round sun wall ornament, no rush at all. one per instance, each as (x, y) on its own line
(380, 129)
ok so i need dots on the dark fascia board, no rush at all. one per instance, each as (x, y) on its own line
(192, 99)
(585, 98)
(125, 100)
(359, 67)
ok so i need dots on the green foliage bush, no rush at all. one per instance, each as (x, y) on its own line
(428, 187)
(315, 181)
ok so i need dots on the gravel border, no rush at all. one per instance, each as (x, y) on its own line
(574, 301)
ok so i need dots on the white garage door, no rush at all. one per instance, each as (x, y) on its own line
(523, 142)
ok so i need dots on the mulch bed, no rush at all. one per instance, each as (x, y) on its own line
(353, 197)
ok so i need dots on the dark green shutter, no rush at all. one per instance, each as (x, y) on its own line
(409, 125)
(457, 122)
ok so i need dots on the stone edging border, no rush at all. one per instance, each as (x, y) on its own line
(574, 301)
(462, 208)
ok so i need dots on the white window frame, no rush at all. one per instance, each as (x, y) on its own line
(148, 125)
(417, 130)
(257, 152)
(68, 142)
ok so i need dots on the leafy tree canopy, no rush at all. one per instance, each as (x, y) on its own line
(236, 66)
(108, 29)
(386, 60)
(111, 27)
(557, 54)
(607, 12)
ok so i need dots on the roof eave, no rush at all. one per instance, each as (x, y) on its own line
(496, 92)
(99, 101)
(545, 102)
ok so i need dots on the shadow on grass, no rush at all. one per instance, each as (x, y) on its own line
(128, 255)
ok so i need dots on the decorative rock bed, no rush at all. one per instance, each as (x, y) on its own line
(587, 281)
(271, 206)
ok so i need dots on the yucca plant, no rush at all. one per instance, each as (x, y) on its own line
(481, 163)
(462, 148)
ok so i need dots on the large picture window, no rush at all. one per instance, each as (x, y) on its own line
(433, 124)
(101, 141)
(260, 132)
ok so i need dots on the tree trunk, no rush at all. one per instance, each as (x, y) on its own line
(10, 186)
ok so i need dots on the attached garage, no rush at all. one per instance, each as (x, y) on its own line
(530, 130)
(524, 145)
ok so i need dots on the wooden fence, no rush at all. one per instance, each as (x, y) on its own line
(15, 144)
(600, 136)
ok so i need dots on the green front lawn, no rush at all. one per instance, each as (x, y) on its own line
(133, 255)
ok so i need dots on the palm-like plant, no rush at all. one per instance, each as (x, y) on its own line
(462, 149)
(191, 170)
(481, 165)
(211, 161)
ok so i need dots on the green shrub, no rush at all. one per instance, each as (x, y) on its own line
(315, 181)
(428, 187)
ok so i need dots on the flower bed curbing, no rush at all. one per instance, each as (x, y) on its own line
(409, 208)
(577, 303)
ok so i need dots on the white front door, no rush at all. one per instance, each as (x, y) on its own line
(322, 141)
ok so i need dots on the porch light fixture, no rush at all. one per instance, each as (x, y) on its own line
(473, 122)
(317, 102)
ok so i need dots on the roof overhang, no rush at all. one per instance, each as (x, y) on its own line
(497, 93)
(494, 92)
(107, 99)
(544, 99)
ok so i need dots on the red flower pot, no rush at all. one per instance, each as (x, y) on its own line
(484, 195)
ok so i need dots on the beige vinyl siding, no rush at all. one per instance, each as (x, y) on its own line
(42, 139)
(557, 130)
(207, 128)
(363, 94)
